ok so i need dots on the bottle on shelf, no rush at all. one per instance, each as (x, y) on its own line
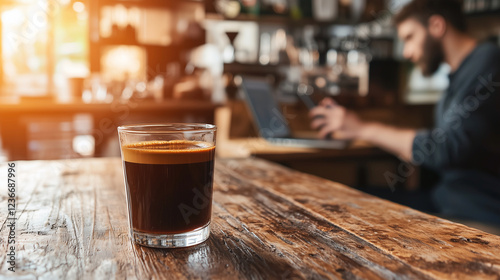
(228, 8)
(295, 11)
(275, 7)
(481, 5)
(250, 7)
(495, 5)
(325, 10)
(344, 10)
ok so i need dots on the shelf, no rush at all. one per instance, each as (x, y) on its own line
(491, 13)
(148, 3)
(137, 105)
(114, 42)
(282, 20)
(242, 68)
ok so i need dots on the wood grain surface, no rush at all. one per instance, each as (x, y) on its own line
(268, 222)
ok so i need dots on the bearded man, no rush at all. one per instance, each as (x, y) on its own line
(464, 144)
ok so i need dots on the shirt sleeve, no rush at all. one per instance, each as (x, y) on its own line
(463, 134)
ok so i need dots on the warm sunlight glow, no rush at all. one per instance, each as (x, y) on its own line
(42, 41)
(78, 7)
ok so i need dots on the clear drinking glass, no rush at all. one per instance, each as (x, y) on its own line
(168, 171)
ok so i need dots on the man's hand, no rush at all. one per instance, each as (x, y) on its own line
(329, 118)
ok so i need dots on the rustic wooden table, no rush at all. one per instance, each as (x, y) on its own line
(268, 222)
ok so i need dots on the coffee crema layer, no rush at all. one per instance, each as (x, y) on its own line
(168, 152)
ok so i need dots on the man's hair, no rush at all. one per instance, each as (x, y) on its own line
(422, 10)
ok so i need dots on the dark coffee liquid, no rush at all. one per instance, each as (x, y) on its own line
(170, 185)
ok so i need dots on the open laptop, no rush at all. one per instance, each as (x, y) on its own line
(271, 123)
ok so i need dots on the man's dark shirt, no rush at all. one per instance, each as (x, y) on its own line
(464, 145)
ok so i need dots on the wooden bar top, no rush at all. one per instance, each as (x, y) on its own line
(269, 222)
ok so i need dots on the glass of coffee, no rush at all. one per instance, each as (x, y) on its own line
(169, 171)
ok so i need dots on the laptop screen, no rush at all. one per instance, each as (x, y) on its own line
(266, 113)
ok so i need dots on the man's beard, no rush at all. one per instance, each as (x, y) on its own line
(432, 57)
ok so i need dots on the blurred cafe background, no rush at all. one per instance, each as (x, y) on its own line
(71, 71)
